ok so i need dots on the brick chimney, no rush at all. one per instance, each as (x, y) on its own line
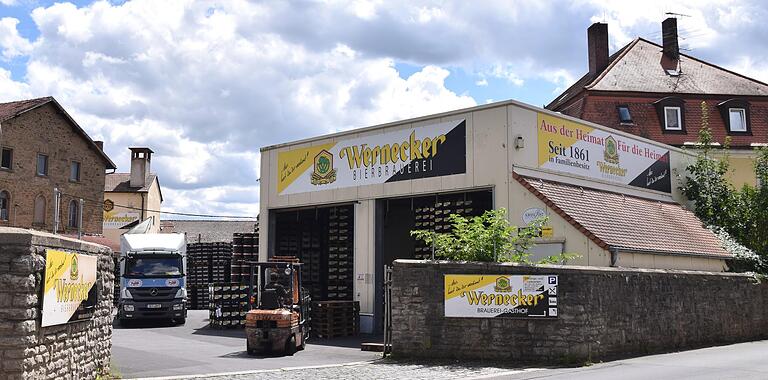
(100, 144)
(140, 160)
(669, 38)
(597, 44)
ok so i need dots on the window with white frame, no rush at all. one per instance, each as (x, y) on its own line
(672, 120)
(738, 119)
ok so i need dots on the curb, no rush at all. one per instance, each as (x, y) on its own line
(276, 370)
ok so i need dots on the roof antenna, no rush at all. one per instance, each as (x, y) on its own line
(676, 14)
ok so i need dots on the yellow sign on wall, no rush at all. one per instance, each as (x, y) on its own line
(69, 294)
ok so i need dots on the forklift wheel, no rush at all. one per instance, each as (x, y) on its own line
(248, 348)
(290, 345)
(303, 344)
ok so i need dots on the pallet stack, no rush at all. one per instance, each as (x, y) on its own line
(333, 319)
(435, 216)
(228, 304)
(340, 257)
(245, 246)
(206, 263)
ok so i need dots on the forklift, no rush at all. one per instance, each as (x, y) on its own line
(278, 316)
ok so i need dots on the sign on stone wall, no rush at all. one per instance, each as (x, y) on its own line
(575, 148)
(70, 294)
(500, 296)
(421, 152)
(115, 220)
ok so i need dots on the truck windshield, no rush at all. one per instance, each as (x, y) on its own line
(153, 266)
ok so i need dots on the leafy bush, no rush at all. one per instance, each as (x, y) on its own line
(488, 238)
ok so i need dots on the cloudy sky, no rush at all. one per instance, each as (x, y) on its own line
(206, 83)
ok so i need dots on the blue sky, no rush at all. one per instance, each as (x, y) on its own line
(205, 84)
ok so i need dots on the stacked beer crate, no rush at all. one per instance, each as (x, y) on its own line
(206, 263)
(245, 247)
(340, 257)
(332, 319)
(435, 216)
(228, 305)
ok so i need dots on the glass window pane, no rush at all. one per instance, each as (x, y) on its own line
(672, 117)
(42, 164)
(624, 115)
(74, 171)
(6, 159)
(737, 120)
(4, 202)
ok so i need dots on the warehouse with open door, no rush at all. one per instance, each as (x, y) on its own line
(346, 203)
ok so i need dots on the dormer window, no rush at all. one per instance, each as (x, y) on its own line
(671, 111)
(672, 120)
(624, 116)
(735, 113)
(738, 119)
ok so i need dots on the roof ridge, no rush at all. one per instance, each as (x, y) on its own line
(621, 53)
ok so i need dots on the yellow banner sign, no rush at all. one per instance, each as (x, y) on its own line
(69, 294)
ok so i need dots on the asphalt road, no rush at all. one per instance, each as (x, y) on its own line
(154, 350)
(737, 361)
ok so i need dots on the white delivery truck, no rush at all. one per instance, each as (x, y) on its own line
(152, 279)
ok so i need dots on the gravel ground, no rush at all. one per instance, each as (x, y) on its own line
(379, 369)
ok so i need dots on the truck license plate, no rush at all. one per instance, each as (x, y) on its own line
(154, 306)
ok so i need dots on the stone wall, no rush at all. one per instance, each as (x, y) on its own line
(77, 350)
(604, 313)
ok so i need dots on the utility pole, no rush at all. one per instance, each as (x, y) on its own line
(56, 196)
(80, 219)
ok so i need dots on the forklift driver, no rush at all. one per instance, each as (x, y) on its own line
(277, 289)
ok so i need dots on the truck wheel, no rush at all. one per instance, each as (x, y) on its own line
(124, 323)
(181, 321)
(290, 345)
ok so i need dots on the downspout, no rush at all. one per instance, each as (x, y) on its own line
(142, 206)
(614, 255)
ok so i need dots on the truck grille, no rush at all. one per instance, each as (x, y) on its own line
(153, 294)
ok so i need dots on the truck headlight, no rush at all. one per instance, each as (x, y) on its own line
(128, 307)
(126, 294)
(178, 306)
(181, 293)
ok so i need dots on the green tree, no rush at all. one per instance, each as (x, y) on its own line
(488, 237)
(738, 217)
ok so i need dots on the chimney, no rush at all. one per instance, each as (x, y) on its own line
(140, 160)
(100, 144)
(669, 38)
(597, 43)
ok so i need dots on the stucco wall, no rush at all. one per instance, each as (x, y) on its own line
(79, 350)
(603, 313)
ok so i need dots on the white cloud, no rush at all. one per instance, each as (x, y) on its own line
(11, 42)
(206, 83)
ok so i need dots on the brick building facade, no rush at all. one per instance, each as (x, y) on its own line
(43, 148)
(656, 92)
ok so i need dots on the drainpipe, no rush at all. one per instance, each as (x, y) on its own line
(614, 255)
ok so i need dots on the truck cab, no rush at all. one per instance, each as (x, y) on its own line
(152, 279)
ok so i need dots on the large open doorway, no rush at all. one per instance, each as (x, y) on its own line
(397, 217)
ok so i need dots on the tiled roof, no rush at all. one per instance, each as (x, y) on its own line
(12, 109)
(207, 231)
(121, 183)
(640, 67)
(616, 220)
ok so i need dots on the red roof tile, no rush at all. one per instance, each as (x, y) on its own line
(622, 221)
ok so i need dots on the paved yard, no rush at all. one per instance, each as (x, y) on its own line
(194, 348)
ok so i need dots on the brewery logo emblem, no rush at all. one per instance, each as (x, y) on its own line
(611, 152)
(324, 172)
(502, 285)
(109, 205)
(73, 270)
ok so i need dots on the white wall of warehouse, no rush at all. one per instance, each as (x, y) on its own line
(491, 159)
